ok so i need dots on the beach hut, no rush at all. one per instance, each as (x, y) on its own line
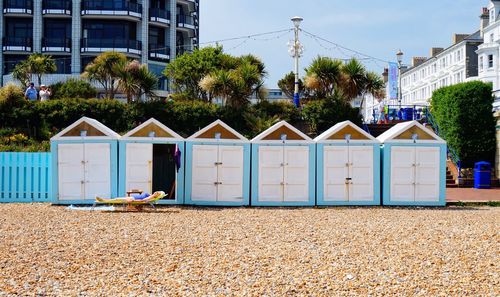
(151, 158)
(84, 162)
(413, 166)
(283, 167)
(217, 167)
(347, 166)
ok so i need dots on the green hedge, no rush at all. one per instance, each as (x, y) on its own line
(464, 115)
(39, 121)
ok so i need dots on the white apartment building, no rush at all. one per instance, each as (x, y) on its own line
(489, 52)
(455, 64)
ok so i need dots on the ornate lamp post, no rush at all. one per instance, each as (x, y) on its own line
(296, 50)
(399, 55)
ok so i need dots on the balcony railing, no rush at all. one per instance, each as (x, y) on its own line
(57, 7)
(116, 44)
(159, 15)
(185, 21)
(54, 44)
(18, 6)
(17, 44)
(159, 52)
(102, 7)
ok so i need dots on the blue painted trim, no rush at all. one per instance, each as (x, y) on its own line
(189, 175)
(386, 176)
(255, 178)
(55, 175)
(122, 172)
(320, 176)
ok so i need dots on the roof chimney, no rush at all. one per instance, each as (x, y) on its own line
(436, 51)
(415, 61)
(485, 20)
(459, 37)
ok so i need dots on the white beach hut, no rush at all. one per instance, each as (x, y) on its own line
(413, 166)
(151, 158)
(283, 167)
(348, 166)
(217, 167)
(84, 162)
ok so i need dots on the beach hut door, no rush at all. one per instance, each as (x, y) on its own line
(230, 174)
(71, 171)
(139, 166)
(205, 158)
(296, 173)
(361, 173)
(403, 173)
(336, 171)
(427, 173)
(97, 170)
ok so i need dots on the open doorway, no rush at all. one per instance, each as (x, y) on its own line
(164, 169)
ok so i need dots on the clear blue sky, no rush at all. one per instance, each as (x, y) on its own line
(375, 27)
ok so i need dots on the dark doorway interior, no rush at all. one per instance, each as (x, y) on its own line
(164, 169)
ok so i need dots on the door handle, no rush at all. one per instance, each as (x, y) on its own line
(218, 163)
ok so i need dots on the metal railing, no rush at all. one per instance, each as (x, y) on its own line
(158, 49)
(23, 42)
(159, 13)
(111, 6)
(452, 154)
(56, 42)
(24, 5)
(57, 4)
(111, 43)
(413, 112)
(185, 19)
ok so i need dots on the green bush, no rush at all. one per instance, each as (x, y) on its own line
(320, 115)
(39, 121)
(73, 88)
(464, 115)
(11, 96)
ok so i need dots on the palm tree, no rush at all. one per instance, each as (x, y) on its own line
(353, 79)
(105, 70)
(40, 64)
(323, 76)
(22, 73)
(136, 80)
(374, 85)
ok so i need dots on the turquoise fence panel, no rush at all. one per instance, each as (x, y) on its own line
(25, 177)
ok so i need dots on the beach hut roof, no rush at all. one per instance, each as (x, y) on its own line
(152, 125)
(403, 132)
(218, 127)
(340, 130)
(93, 128)
(275, 133)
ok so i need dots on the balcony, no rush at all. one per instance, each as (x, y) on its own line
(159, 16)
(17, 44)
(105, 9)
(185, 21)
(57, 7)
(159, 52)
(188, 1)
(56, 45)
(18, 7)
(99, 45)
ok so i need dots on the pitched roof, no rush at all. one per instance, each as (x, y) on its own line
(218, 126)
(346, 127)
(397, 133)
(277, 130)
(103, 130)
(161, 130)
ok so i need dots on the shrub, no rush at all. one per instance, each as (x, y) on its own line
(73, 88)
(11, 95)
(464, 115)
(320, 115)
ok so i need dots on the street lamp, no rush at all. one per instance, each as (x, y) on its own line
(296, 50)
(399, 55)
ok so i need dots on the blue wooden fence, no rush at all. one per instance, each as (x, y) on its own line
(25, 177)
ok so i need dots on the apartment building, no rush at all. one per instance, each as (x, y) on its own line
(74, 32)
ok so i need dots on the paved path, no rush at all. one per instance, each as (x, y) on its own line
(472, 195)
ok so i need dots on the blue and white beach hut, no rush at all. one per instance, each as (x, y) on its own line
(151, 159)
(283, 167)
(413, 166)
(348, 166)
(217, 167)
(84, 162)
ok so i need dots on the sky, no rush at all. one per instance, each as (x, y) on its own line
(374, 27)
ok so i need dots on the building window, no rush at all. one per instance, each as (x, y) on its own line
(481, 63)
(492, 37)
(490, 61)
